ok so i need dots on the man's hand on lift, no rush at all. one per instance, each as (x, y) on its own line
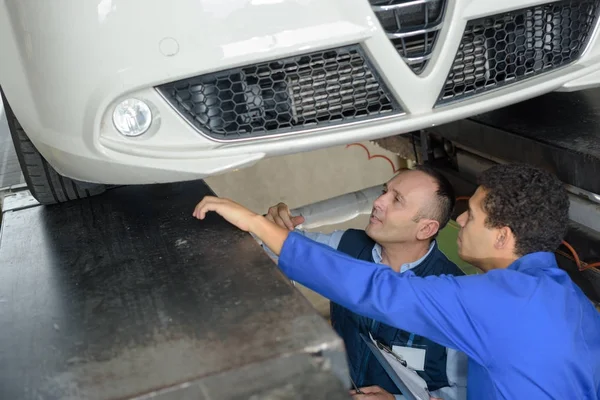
(231, 211)
(371, 393)
(280, 214)
(268, 232)
(375, 393)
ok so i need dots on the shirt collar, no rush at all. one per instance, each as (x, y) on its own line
(377, 257)
(539, 259)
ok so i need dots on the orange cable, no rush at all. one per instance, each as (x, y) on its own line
(578, 260)
(589, 266)
(573, 252)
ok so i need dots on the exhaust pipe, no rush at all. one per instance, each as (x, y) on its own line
(338, 209)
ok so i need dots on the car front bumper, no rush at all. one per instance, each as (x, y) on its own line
(67, 64)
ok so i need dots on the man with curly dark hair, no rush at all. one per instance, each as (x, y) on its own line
(528, 330)
(516, 210)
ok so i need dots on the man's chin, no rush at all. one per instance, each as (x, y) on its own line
(463, 256)
(470, 260)
(370, 231)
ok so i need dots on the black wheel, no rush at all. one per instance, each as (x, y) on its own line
(45, 184)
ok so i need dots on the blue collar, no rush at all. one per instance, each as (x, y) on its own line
(540, 259)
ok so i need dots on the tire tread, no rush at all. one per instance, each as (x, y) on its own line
(45, 184)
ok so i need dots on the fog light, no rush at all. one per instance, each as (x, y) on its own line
(132, 117)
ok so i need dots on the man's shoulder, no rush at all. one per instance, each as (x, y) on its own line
(354, 242)
(358, 235)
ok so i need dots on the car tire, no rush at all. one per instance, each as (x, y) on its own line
(45, 184)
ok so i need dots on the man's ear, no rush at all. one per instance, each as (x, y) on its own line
(503, 238)
(428, 229)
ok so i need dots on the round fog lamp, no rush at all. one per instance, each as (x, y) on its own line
(132, 117)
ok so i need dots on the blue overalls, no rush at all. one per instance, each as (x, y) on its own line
(529, 331)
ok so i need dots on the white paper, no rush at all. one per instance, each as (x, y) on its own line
(404, 377)
(414, 357)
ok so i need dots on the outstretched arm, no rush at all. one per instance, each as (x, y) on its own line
(437, 307)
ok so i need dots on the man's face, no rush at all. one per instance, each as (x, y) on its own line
(475, 240)
(395, 211)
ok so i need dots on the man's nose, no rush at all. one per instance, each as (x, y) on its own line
(379, 202)
(461, 219)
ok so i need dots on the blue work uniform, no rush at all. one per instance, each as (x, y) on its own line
(529, 331)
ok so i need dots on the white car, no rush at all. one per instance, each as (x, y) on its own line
(147, 91)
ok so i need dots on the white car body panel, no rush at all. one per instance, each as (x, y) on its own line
(67, 63)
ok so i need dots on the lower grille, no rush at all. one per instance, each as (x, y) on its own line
(510, 47)
(412, 26)
(297, 93)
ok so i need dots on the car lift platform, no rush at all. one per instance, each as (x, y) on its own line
(126, 295)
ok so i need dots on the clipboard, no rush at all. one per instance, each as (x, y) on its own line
(413, 387)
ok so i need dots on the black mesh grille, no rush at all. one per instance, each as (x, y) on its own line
(313, 90)
(507, 48)
(412, 27)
